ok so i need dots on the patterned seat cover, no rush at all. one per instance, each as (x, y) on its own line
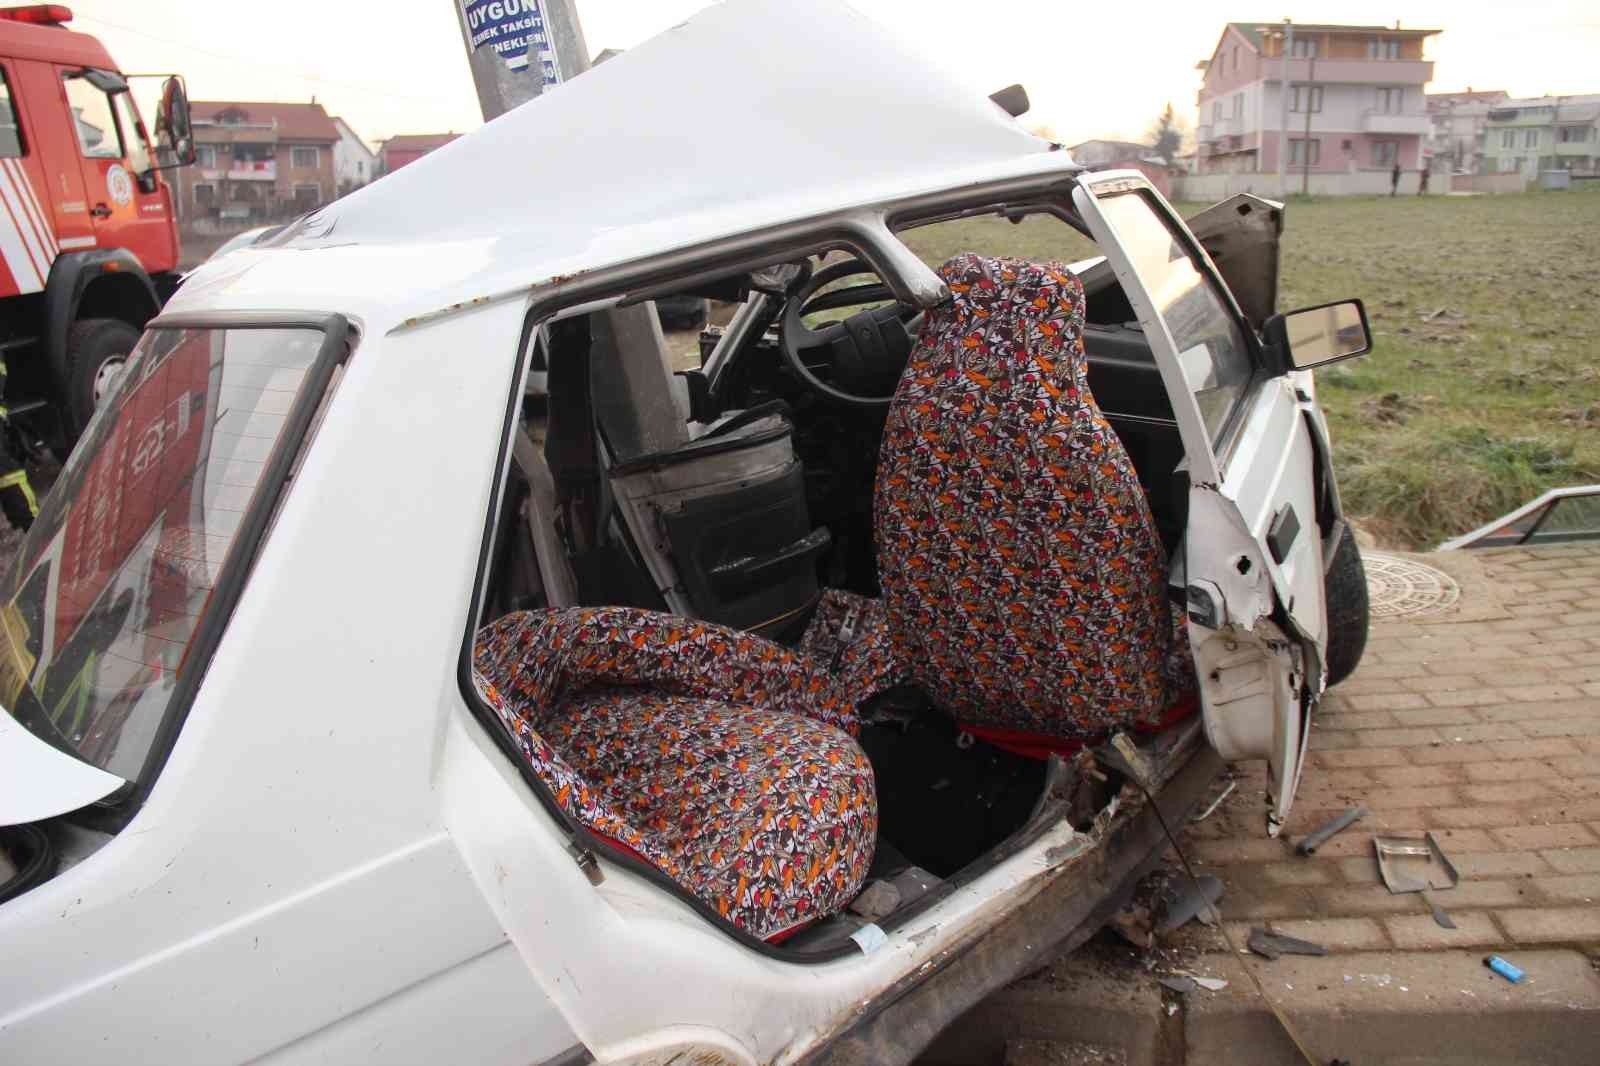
(1023, 577)
(722, 759)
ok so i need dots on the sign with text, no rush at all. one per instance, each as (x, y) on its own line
(518, 33)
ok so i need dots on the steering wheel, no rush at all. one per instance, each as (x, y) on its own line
(869, 348)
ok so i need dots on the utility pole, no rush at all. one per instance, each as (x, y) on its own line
(1305, 158)
(520, 49)
(1287, 44)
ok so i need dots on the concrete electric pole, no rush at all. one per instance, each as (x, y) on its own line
(520, 49)
(1287, 44)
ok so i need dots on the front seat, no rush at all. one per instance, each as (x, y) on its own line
(1023, 577)
(720, 758)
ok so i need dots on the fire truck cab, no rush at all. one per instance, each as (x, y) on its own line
(88, 233)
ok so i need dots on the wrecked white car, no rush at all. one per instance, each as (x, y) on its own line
(365, 707)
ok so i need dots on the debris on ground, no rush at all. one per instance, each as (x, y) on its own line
(1440, 918)
(1189, 898)
(1272, 945)
(1390, 407)
(1317, 837)
(1224, 794)
(1413, 864)
(1511, 973)
(1031, 1052)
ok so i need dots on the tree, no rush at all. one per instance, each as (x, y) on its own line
(1166, 135)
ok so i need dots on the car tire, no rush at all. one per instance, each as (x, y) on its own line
(1348, 609)
(97, 349)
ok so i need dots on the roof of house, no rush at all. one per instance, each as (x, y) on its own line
(1485, 94)
(1585, 108)
(417, 142)
(293, 122)
(1252, 30)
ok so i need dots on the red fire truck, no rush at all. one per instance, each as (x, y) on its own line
(88, 231)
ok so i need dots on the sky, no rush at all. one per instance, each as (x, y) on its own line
(399, 66)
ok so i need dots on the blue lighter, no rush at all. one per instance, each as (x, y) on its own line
(1503, 968)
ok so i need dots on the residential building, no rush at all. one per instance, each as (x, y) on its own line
(405, 148)
(257, 162)
(1543, 133)
(354, 164)
(1455, 143)
(1355, 96)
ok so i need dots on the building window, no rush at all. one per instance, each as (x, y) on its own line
(11, 143)
(1216, 111)
(1304, 48)
(1383, 48)
(307, 196)
(205, 157)
(1573, 134)
(1508, 138)
(1300, 96)
(1301, 150)
(1530, 138)
(1384, 153)
(205, 196)
(1391, 99)
(305, 158)
(1238, 105)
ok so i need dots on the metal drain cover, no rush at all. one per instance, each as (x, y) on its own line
(1398, 586)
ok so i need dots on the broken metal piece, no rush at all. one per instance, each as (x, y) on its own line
(1203, 815)
(1318, 837)
(1190, 898)
(1272, 945)
(1413, 864)
(1440, 918)
(1180, 985)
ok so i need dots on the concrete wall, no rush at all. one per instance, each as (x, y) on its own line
(1491, 183)
(1209, 188)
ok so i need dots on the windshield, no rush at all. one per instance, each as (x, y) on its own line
(1211, 347)
(115, 578)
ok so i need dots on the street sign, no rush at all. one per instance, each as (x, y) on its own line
(516, 31)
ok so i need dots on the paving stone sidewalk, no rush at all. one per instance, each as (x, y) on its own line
(1485, 732)
(1480, 723)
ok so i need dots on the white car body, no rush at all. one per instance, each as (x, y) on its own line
(336, 862)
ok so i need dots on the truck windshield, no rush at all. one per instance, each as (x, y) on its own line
(116, 576)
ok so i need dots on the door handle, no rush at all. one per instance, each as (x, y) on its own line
(100, 211)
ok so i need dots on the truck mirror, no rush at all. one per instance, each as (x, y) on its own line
(1315, 336)
(173, 130)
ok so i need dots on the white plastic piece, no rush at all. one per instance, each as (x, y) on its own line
(869, 938)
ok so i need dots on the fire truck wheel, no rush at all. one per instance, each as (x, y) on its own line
(97, 350)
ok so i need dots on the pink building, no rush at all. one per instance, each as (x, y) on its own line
(1355, 99)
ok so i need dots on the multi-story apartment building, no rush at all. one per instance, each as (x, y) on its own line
(1455, 145)
(257, 161)
(1355, 96)
(1543, 133)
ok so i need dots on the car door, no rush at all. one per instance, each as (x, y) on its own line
(126, 201)
(1251, 562)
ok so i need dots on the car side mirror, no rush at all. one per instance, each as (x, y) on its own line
(1316, 336)
(173, 128)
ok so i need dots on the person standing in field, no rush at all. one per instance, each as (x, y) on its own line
(1394, 179)
(1422, 183)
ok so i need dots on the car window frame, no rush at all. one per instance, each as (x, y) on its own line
(69, 74)
(118, 809)
(24, 142)
(1224, 442)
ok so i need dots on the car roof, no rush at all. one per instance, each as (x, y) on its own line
(753, 113)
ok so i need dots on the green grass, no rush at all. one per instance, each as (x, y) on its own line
(1483, 388)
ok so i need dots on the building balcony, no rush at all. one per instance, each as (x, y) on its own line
(243, 170)
(1402, 123)
(1578, 148)
(1219, 128)
(1352, 71)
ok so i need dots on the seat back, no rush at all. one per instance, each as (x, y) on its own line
(1024, 581)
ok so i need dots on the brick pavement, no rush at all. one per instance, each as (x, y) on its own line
(1485, 732)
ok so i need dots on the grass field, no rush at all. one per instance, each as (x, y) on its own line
(1483, 388)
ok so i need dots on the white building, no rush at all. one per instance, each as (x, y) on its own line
(354, 164)
(1456, 144)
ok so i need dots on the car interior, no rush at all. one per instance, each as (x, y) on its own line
(810, 632)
